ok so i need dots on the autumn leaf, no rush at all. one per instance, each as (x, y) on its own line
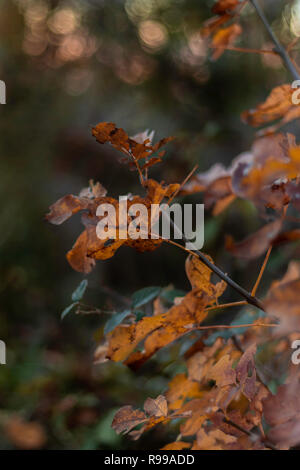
(283, 301)
(178, 445)
(282, 412)
(257, 243)
(134, 148)
(127, 418)
(278, 105)
(223, 38)
(156, 407)
(246, 372)
(24, 434)
(199, 276)
(222, 372)
(222, 6)
(88, 247)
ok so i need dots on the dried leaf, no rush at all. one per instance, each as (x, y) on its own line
(222, 6)
(199, 276)
(127, 418)
(278, 105)
(223, 38)
(156, 407)
(178, 445)
(25, 435)
(257, 243)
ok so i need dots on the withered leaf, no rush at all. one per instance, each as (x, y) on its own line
(222, 6)
(199, 276)
(282, 412)
(135, 148)
(222, 372)
(24, 434)
(283, 301)
(278, 105)
(223, 38)
(257, 243)
(127, 418)
(177, 445)
(246, 372)
(157, 406)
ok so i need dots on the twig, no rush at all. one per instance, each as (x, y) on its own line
(250, 298)
(231, 304)
(242, 49)
(262, 269)
(232, 327)
(250, 434)
(183, 184)
(278, 46)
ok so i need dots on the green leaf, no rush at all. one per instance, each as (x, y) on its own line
(171, 294)
(143, 296)
(139, 315)
(79, 291)
(68, 310)
(115, 320)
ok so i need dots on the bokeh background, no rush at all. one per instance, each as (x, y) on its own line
(67, 65)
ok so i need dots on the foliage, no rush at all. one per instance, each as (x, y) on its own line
(222, 399)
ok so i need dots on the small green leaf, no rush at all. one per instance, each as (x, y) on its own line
(143, 296)
(171, 294)
(79, 291)
(68, 310)
(139, 315)
(115, 320)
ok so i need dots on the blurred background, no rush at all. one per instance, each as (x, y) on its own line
(67, 65)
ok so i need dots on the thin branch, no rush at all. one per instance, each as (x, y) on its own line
(278, 46)
(186, 179)
(250, 299)
(232, 327)
(250, 434)
(242, 49)
(262, 269)
(231, 304)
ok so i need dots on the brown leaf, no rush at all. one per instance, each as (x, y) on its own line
(213, 24)
(222, 6)
(157, 331)
(177, 445)
(25, 435)
(246, 372)
(223, 38)
(135, 148)
(127, 418)
(257, 243)
(199, 276)
(213, 440)
(156, 407)
(181, 389)
(278, 105)
(283, 301)
(222, 372)
(282, 412)
(88, 247)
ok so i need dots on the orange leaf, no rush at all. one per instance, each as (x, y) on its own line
(224, 37)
